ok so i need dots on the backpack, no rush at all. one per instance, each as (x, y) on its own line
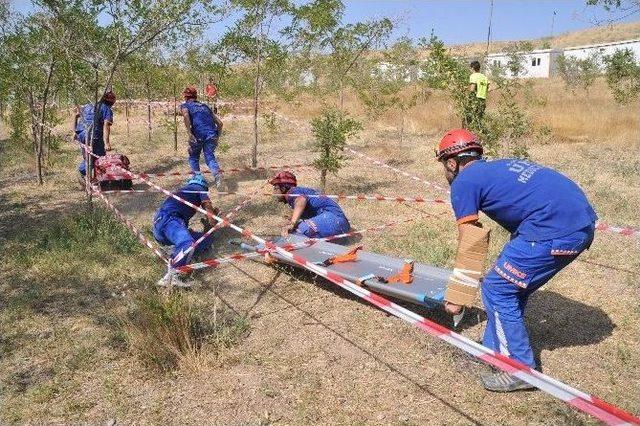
(109, 174)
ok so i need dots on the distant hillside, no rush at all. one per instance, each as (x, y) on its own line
(599, 34)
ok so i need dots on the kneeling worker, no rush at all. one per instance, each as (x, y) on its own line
(550, 220)
(315, 216)
(171, 225)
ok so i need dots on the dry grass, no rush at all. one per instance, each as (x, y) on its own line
(313, 354)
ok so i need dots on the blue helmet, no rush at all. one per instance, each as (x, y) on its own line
(199, 180)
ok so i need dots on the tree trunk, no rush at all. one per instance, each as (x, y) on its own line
(175, 118)
(256, 95)
(341, 95)
(126, 115)
(148, 110)
(323, 180)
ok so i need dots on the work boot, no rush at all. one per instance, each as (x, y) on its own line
(499, 381)
(172, 278)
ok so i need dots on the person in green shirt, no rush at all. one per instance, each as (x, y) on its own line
(478, 88)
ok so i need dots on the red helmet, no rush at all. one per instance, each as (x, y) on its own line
(457, 141)
(190, 92)
(109, 97)
(284, 178)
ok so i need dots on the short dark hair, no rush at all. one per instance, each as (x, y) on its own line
(475, 65)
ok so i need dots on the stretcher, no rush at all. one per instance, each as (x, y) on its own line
(402, 279)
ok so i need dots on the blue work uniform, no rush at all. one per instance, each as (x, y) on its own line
(85, 123)
(171, 223)
(205, 130)
(551, 222)
(322, 217)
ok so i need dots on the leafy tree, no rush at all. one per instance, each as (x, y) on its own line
(253, 40)
(578, 73)
(334, 50)
(331, 131)
(623, 75)
(391, 87)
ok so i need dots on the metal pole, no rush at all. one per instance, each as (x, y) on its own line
(553, 21)
(489, 29)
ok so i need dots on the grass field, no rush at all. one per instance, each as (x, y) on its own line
(277, 346)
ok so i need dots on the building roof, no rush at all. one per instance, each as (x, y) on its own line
(612, 43)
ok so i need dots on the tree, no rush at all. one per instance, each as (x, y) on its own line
(623, 75)
(254, 41)
(34, 75)
(578, 73)
(334, 50)
(388, 84)
(331, 131)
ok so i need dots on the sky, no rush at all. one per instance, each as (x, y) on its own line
(464, 21)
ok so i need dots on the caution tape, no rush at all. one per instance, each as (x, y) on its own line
(144, 240)
(628, 232)
(339, 197)
(129, 174)
(384, 165)
(213, 263)
(580, 400)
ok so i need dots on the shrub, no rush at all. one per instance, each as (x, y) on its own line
(331, 131)
(169, 331)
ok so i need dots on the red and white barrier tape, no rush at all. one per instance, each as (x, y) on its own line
(628, 232)
(129, 174)
(144, 240)
(339, 197)
(384, 165)
(289, 247)
(576, 398)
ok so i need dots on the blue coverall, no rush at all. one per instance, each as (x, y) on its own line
(322, 217)
(205, 130)
(85, 122)
(551, 222)
(171, 223)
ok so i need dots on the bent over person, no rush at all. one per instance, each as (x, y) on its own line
(171, 225)
(550, 220)
(101, 135)
(313, 215)
(204, 128)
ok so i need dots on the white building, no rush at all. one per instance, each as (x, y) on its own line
(598, 51)
(535, 64)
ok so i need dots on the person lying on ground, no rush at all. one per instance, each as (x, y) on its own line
(101, 135)
(171, 226)
(550, 220)
(204, 129)
(314, 217)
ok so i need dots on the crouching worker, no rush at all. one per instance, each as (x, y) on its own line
(550, 220)
(171, 225)
(315, 216)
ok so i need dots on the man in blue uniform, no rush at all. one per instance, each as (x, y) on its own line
(204, 128)
(550, 220)
(171, 225)
(83, 123)
(314, 217)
